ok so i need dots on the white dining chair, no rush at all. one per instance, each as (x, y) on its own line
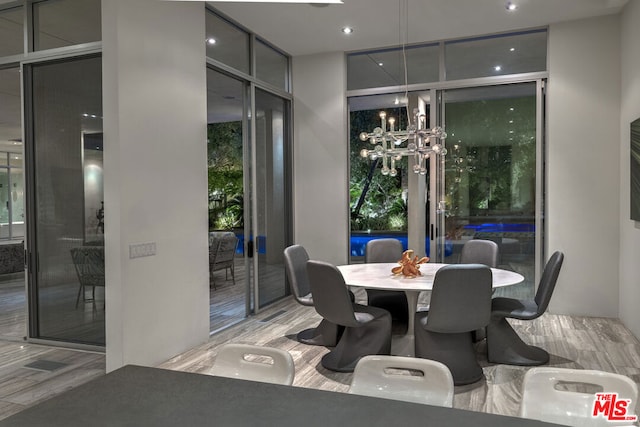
(256, 363)
(403, 378)
(565, 396)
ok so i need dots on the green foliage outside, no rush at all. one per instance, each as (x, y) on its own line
(489, 168)
(490, 164)
(225, 175)
(382, 206)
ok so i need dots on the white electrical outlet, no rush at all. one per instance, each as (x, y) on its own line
(142, 249)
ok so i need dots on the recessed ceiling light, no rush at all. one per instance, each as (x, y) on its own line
(497, 68)
(381, 63)
(511, 6)
(512, 49)
(511, 109)
(211, 40)
(347, 30)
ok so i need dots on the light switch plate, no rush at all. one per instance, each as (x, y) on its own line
(142, 249)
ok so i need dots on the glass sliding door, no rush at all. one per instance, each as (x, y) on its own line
(66, 240)
(491, 172)
(248, 196)
(270, 196)
(226, 111)
(382, 205)
(13, 301)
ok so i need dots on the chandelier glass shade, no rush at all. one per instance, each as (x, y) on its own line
(392, 144)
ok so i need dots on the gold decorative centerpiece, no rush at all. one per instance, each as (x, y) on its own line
(409, 265)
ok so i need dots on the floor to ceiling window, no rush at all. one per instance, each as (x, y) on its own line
(490, 173)
(486, 94)
(249, 191)
(59, 207)
(270, 195)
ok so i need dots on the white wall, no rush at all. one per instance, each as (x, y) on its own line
(629, 230)
(154, 96)
(321, 156)
(583, 163)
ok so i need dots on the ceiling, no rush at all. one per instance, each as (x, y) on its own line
(302, 29)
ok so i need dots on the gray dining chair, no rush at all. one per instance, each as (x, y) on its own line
(295, 265)
(504, 345)
(478, 251)
(460, 304)
(395, 302)
(367, 329)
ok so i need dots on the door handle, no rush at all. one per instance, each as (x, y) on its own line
(250, 248)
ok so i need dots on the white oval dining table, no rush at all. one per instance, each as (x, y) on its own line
(379, 276)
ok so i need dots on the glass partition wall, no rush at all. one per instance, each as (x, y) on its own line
(68, 265)
(59, 196)
(249, 110)
(13, 302)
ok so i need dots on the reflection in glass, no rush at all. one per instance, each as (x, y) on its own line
(16, 220)
(66, 22)
(11, 31)
(272, 66)
(385, 67)
(227, 43)
(67, 132)
(271, 184)
(11, 196)
(496, 55)
(11, 203)
(490, 176)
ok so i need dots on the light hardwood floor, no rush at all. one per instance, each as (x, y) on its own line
(574, 342)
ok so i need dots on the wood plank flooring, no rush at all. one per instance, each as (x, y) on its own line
(574, 342)
(21, 386)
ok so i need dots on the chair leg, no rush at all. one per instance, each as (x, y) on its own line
(212, 280)
(325, 334)
(78, 297)
(505, 346)
(479, 334)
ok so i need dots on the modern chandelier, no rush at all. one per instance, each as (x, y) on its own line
(388, 144)
(417, 141)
